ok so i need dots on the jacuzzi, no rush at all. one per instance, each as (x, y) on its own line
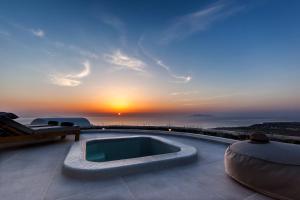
(126, 154)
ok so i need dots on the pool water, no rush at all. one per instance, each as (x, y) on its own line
(118, 149)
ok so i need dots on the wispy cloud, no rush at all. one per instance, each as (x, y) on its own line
(117, 24)
(200, 20)
(34, 31)
(192, 98)
(38, 32)
(71, 80)
(58, 44)
(61, 80)
(224, 96)
(4, 33)
(114, 22)
(83, 52)
(85, 72)
(185, 93)
(124, 61)
(177, 78)
(78, 50)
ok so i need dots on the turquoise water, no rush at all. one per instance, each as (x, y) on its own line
(125, 148)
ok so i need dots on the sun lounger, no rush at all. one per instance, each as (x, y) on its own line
(14, 132)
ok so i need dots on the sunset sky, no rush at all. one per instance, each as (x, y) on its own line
(149, 56)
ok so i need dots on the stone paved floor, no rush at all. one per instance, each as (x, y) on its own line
(34, 172)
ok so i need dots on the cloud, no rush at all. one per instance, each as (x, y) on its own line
(222, 96)
(85, 72)
(75, 49)
(71, 80)
(182, 79)
(58, 44)
(38, 32)
(61, 80)
(188, 97)
(83, 52)
(117, 24)
(42, 34)
(124, 61)
(114, 22)
(184, 93)
(191, 98)
(199, 20)
(4, 33)
(178, 78)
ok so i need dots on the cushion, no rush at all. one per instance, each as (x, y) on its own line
(270, 168)
(9, 115)
(53, 123)
(67, 124)
(77, 121)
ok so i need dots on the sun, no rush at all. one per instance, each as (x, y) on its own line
(119, 105)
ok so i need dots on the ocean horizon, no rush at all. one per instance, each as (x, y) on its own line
(189, 121)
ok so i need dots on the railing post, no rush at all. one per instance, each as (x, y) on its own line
(77, 136)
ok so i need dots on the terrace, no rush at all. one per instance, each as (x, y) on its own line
(35, 172)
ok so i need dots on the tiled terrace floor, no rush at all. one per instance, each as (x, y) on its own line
(35, 172)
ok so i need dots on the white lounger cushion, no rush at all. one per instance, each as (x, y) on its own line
(78, 121)
(272, 168)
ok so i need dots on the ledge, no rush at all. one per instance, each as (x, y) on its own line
(157, 132)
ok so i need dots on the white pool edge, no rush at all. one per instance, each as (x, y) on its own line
(75, 163)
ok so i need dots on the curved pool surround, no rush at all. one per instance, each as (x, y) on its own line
(127, 154)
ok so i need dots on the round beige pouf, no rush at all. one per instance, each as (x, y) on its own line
(271, 168)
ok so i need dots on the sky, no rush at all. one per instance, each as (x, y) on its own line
(64, 56)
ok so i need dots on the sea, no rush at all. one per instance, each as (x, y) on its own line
(189, 121)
